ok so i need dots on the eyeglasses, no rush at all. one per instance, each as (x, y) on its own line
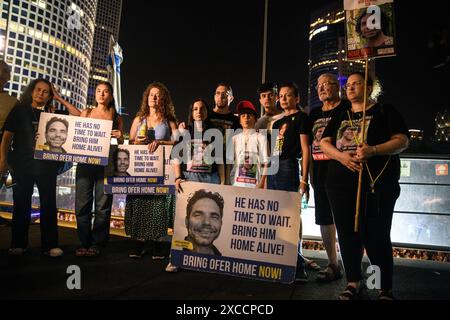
(353, 84)
(325, 85)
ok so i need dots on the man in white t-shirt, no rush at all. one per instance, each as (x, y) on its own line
(268, 94)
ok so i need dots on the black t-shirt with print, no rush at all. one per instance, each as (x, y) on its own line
(23, 121)
(382, 122)
(319, 120)
(224, 121)
(290, 128)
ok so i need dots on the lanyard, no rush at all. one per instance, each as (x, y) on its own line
(372, 180)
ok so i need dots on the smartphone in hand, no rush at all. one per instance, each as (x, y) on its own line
(151, 135)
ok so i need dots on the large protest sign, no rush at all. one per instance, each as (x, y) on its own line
(243, 232)
(370, 28)
(73, 139)
(134, 170)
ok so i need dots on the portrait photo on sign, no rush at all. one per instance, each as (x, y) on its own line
(137, 161)
(370, 30)
(56, 132)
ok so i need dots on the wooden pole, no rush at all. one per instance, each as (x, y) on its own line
(264, 62)
(363, 128)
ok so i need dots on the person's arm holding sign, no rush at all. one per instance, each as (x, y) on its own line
(179, 178)
(118, 133)
(73, 111)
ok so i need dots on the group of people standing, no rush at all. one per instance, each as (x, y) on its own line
(305, 146)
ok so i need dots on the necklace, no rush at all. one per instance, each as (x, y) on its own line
(373, 180)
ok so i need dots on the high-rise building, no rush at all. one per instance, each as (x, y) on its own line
(107, 24)
(327, 52)
(49, 39)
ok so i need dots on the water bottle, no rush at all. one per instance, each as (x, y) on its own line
(143, 130)
(7, 180)
(304, 202)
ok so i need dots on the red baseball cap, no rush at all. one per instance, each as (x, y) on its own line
(246, 106)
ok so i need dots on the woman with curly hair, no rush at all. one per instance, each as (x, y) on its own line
(148, 217)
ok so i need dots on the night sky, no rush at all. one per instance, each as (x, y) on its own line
(192, 45)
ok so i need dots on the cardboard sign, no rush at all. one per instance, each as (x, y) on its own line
(370, 29)
(73, 139)
(134, 170)
(251, 233)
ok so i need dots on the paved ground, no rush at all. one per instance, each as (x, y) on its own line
(114, 276)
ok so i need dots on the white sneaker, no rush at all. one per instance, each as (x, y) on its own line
(171, 268)
(54, 253)
(16, 251)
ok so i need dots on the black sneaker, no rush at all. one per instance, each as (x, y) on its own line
(301, 275)
(386, 295)
(138, 251)
(158, 251)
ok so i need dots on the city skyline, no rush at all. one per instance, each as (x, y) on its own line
(42, 40)
(107, 24)
(193, 46)
(191, 52)
(327, 50)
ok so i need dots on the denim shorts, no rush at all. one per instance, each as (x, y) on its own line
(212, 178)
(287, 178)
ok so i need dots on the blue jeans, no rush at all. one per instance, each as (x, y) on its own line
(287, 178)
(90, 180)
(212, 178)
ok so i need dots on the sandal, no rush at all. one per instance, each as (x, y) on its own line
(81, 252)
(171, 268)
(330, 273)
(350, 293)
(386, 295)
(93, 252)
(311, 265)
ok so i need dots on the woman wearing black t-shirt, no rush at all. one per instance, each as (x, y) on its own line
(20, 130)
(387, 136)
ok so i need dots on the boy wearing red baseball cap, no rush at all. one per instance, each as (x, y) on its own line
(250, 151)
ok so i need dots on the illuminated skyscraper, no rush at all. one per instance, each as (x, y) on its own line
(49, 39)
(327, 53)
(107, 25)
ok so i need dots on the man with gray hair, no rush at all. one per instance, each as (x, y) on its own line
(328, 92)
